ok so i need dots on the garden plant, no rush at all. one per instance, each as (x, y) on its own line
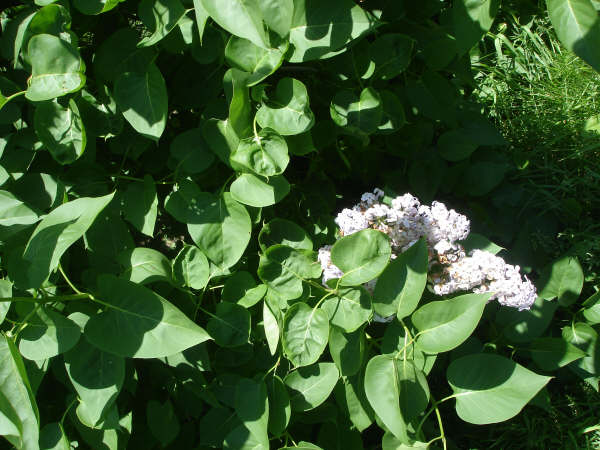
(255, 224)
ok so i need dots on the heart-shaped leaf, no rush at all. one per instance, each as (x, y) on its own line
(57, 68)
(310, 386)
(362, 256)
(259, 192)
(284, 268)
(401, 284)
(397, 391)
(445, 324)
(139, 323)
(288, 111)
(265, 154)
(259, 62)
(305, 334)
(142, 97)
(349, 308)
(61, 130)
(490, 388)
(357, 114)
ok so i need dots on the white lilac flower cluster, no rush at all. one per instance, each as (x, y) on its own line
(450, 269)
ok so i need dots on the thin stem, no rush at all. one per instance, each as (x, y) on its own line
(439, 418)
(208, 313)
(329, 294)
(10, 97)
(434, 405)
(25, 323)
(273, 368)
(225, 184)
(67, 410)
(67, 279)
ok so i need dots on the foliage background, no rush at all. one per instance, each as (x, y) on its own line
(502, 125)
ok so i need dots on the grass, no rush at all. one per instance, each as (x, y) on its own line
(546, 102)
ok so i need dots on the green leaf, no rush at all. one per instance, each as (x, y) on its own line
(397, 391)
(162, 421)
(61, 130)
(252, 408)
(349, 308)
(310, 386)
(553, 353)
(584, 337)
(491, 388)
(287, 111)
(455, 145)
(445, 324)
(119, 54)
(320, 29)
(5, 292)
(285, 232)
(139, 323)
(190, 268)
(391, 442)
(230, 327)
(57, 68)
(277, 15)
(592, 309)
(259, 192)
(202, 17)
(393, 117)
(55, 234)
(391, 54)
(145, 265)
(19, 412)
(15, 212)
(284, 268)
(302, 445)
(562, 279)
(220, 226)
(471, 20)
(241, 288)
(279, 406)
(100, 117)
(93, 7)
(97, 377)
(221, 139)
(142, 97)
(357, 114)
(53, 437)
(395, 343)
(524, 326)
(271, 314)
(259, 62)
(578, 28)
(241, 18)
(240, 108)
(161, 17)
(140, 204)
(401, 284)
(48, 334)
(347, 349)
(240, 438)
(480, 242)
(191, 152)
(265, 154)
(351, 396)
(305, 334)
(362, 256)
